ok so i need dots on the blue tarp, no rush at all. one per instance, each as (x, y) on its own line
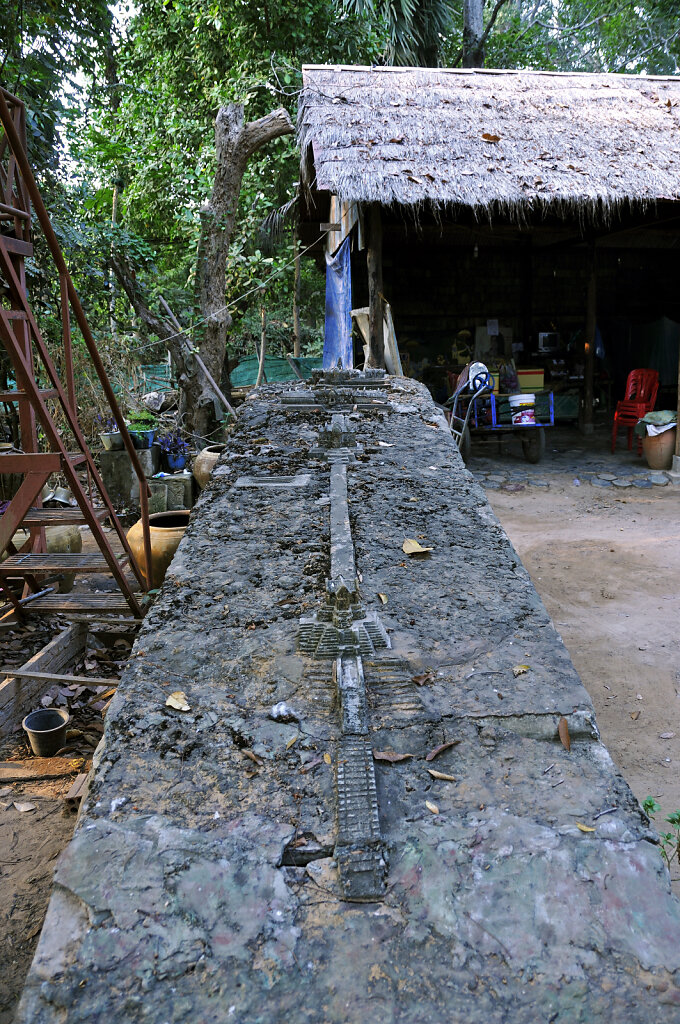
(338, 334)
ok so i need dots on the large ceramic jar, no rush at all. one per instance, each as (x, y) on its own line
(659, 449)
(167, 530)
(205, 462)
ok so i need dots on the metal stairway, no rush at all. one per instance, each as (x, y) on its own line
(26, 349)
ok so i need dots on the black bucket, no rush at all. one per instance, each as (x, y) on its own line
(46, 730)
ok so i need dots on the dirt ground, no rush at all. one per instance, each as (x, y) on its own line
(606, 563)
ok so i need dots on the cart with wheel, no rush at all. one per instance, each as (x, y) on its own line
(472, 411)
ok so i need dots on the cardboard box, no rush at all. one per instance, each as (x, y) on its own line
(530, 380)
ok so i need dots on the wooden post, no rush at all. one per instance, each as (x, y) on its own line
(376, 340)
(676, 457)
(296, 297)
(263, 346)
(591, 323)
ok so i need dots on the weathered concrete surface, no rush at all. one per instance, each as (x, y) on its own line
(201, 883)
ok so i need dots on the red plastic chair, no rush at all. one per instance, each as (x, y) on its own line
(640, 398)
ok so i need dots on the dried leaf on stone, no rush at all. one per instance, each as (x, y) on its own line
(327, 758)
(292, 741)
(383, 598)
(563, 730)
(519, 670)
(440, 749)
(584, 828)
(253, 757)
(413, 547)
(432, 807)
(635, 715)
(178, 701)
(424, 678)
(441, 775)
(390, 755)
(21, 807)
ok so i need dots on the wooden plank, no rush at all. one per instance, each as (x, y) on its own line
(76, 794)
(36, 769)
(56, 677)
(376, 337)
(18, 694)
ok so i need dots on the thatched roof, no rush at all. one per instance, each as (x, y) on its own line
(494, 141)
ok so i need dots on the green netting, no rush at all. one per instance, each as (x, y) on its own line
(276, 368)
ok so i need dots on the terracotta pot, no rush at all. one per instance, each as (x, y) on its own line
(205, 461)
(659, 449)
(167, 530)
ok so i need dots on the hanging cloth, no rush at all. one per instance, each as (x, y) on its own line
(338, 334)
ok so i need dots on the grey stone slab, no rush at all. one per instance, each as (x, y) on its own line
(273, 482)
(658, 478)
(601, 482)
(622, 482)
(204, 885)
(642, 483)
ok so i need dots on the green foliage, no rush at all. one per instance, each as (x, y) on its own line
(670, 841)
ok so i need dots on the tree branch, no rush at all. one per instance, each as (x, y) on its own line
(272, 126)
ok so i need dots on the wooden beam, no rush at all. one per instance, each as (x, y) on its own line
(56, 677)
(376, 339)
(587, 425)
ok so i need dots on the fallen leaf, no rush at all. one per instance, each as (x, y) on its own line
(519, 670)
(635, 715)
(432, 807)
(390, 755)
(383, 598)
(412, 547)
(563, 730)
(21, 807)
(584, 828)
(327, 758)
(424, 678)
(440, 775)
(385, 444)
(178, 701)
(440, 749)
(253, 757)
(666, 735)
(490, 138)
(292, 741)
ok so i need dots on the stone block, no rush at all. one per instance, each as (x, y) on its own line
(120, 478)
(180, 491)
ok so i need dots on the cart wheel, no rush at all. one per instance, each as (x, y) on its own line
(465, 445)
(533, 445)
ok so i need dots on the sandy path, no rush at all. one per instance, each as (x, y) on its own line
(606, 564)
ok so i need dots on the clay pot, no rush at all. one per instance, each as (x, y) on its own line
(167, 530)
(659, 449)
(205, 461)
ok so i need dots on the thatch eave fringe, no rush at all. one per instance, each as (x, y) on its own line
(515, 146)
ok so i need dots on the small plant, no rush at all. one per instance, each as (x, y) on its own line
(670, 841)
(143, 420)
(107, 424)
(173, 444)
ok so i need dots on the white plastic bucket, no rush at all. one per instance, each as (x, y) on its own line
(522, 409)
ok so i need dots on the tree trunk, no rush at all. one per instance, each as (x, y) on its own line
(235, 143)
(473, 33)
